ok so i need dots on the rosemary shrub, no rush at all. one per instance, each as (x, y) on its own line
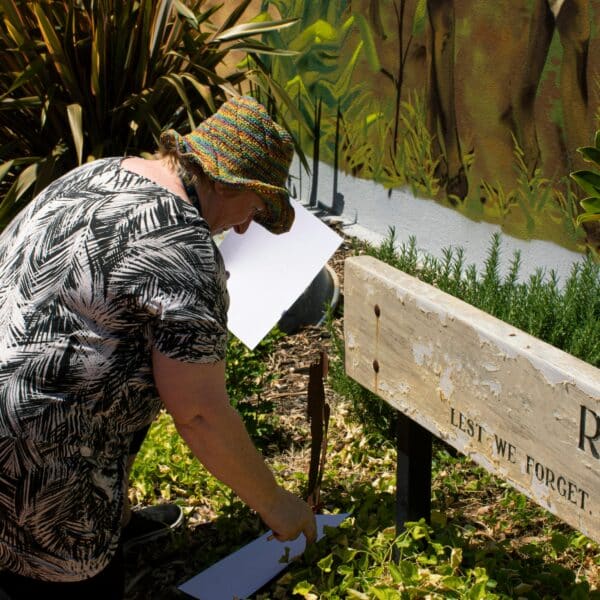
(567, 316)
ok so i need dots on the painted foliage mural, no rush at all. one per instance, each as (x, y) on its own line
(478, 104)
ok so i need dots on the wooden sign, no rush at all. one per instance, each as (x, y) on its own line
(517, 406)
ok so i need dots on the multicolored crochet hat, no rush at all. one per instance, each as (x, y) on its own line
(240, 145)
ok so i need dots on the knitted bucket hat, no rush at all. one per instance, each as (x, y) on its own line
(240, 145)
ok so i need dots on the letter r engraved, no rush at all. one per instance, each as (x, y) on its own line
(583, 431)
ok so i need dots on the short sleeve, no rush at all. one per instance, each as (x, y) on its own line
(177, 282)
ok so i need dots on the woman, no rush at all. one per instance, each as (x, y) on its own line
(113, 304)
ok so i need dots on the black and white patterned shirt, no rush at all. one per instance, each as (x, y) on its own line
(102, 266)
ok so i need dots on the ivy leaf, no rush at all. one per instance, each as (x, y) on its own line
(395, 573)
(303, 588)
(325, 563)
(560, 542)
(456, 557)
(408, 571)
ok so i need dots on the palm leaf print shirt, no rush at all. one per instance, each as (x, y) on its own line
(100, 268)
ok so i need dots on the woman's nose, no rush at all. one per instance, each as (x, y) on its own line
(242, 227)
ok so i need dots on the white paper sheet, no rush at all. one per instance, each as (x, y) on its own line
(267, 272)
(247, 570)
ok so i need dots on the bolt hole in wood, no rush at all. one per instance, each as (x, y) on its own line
(377, 311)
(376, 366)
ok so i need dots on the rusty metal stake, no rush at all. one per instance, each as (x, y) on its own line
(318, 413)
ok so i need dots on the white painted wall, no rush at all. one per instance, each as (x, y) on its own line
(369, 212)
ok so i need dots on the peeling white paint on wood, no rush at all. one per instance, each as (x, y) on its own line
(519, 407)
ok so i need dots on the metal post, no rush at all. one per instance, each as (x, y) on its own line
(413, 474)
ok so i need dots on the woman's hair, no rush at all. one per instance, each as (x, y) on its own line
(189, 171)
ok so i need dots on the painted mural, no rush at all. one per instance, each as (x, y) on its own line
(478, 104)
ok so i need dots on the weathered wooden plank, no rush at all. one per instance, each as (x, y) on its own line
(519, 407)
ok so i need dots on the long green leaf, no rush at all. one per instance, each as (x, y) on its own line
(25, 180)
(591, 205)
(234, 17)
(343, 82)
(14, 22)
(50, 167)
(203, 90)
(588, 181)
(28, 102)
(177, 83)
(249, 29)
(161, 17)
(75, 116)
(184, 11)
(590, 154)
(375, 17)
(259, 48)
(369, 43)
(5, 168)
(143, 59)
(31, 71)
(587, 217)
(95, 58)
(55, 49)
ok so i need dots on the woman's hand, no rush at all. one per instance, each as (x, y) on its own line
(288, 516)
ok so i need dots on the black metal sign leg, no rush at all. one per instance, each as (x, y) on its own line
(413, 474)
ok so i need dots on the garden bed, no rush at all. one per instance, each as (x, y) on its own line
(485, 541)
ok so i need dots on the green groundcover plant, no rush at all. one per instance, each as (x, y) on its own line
(485, 540)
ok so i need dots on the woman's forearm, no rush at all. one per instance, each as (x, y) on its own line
(221, 443)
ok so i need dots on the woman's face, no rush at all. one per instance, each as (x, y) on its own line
(224, 207)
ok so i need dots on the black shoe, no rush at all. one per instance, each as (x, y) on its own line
(150, 523)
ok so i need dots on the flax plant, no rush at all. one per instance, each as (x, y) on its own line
(83, 79)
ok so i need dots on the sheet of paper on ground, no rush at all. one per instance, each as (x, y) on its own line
(247, 570)
(267, 272)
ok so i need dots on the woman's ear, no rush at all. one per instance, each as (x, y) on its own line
(224, 190)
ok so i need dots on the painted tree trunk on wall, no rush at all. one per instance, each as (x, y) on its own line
(496, 76)
(489, 74)
(510, 89)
